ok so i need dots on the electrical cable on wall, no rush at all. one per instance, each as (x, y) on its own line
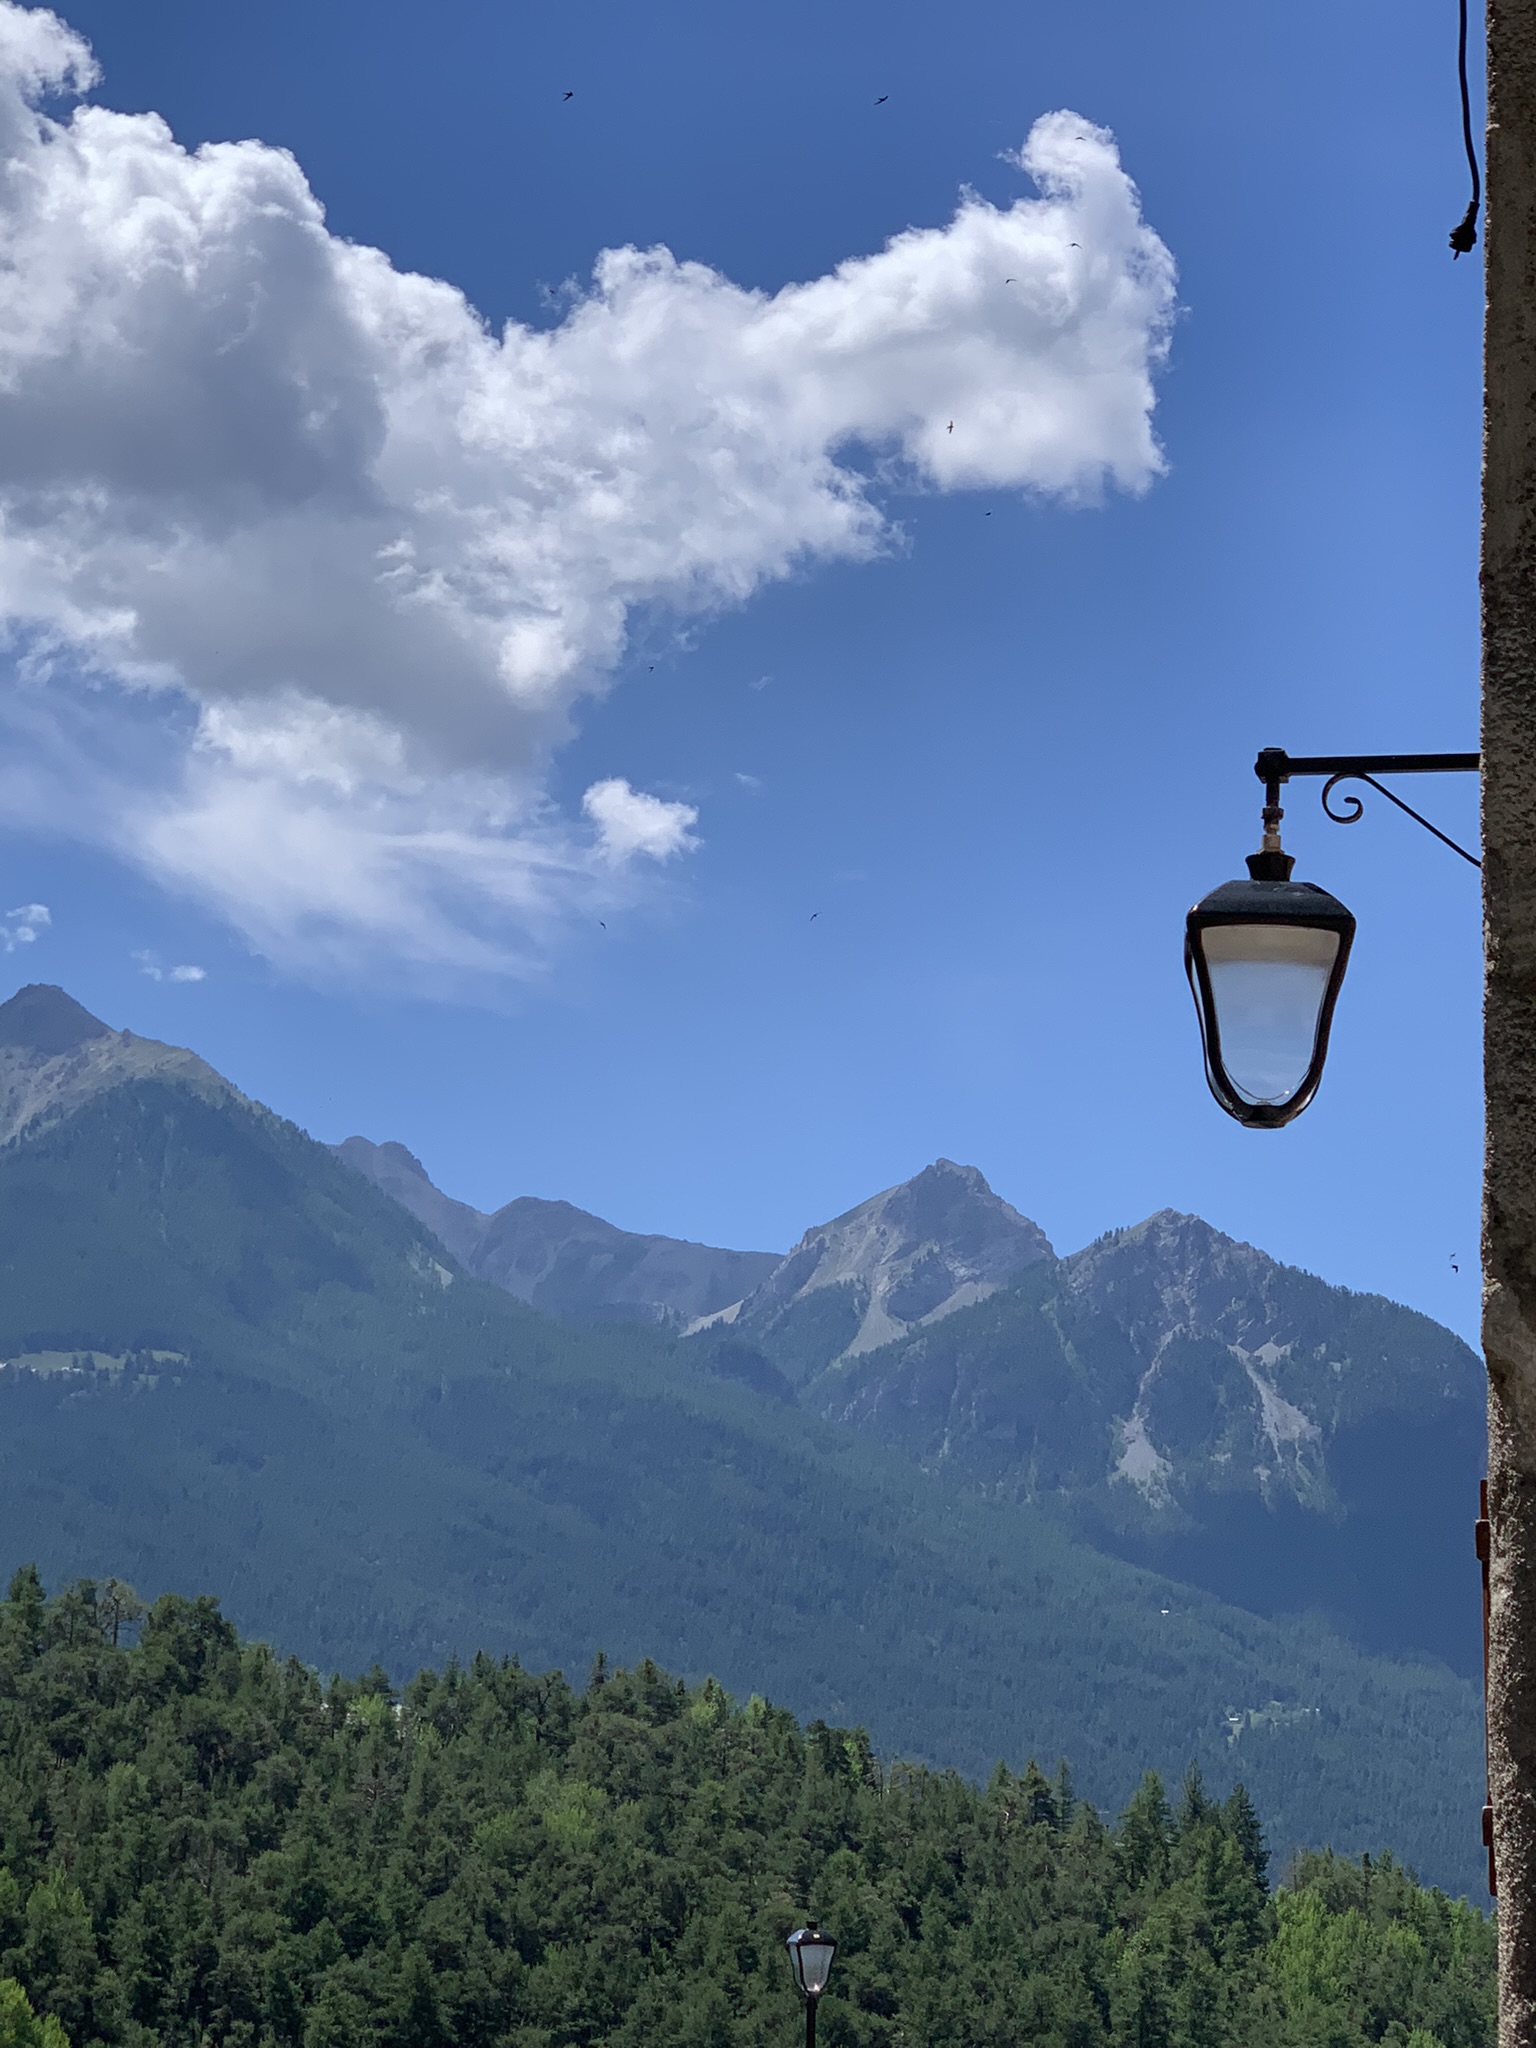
(1464, 234)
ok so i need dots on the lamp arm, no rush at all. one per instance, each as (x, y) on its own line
(1353, 817)
(1274, 767)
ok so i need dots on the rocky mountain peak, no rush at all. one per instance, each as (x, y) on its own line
(396, 1170)
(1176, 1273)
(54, 1056)
(45, 1020)
(382, 1162)
(398, 1155)
(912, 1254)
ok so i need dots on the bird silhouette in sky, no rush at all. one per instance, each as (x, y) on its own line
(600, 921)
(1454, 1267)
(814, 915)
(950, 428)
(570, 95)
(882, 99)
(1013, 280)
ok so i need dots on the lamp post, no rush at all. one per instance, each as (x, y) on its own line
(810, 1957)
(1266, 957)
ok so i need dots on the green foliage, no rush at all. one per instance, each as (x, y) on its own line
(202, 1843)
(20, 2026)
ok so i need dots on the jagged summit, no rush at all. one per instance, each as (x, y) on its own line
(392, 1150)
(400, 1174)
(1173, 1272)
(912, 1254)
(54, 1056)
(47, 1020)
(561, 1258)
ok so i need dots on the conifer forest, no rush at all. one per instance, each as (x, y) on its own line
(203, 1843)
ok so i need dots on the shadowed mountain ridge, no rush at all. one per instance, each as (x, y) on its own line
(560, 1258)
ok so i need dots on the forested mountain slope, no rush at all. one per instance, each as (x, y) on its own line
(230, 1359)
(200, 1843)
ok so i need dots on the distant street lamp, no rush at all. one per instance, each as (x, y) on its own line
(810, 1957)
(1266, 957)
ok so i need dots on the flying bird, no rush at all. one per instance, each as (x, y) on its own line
(1454, 1267)
(570, 95)
(882, 99)
(814, 915)
(951, 427)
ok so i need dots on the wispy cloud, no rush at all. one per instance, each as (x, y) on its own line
(306, 572)
(148, 964)
(22, 925)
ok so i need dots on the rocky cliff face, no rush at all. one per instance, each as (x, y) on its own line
(1188, 1402)
(1248, 1370)
(1161, 1362)
(905, 1259)
(561, 1259)
(54, 1056)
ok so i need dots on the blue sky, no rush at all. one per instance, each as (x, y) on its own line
(951, 801)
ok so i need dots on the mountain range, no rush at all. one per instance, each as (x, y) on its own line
(558, 1258)
(1180, 1398)
(915, 1479)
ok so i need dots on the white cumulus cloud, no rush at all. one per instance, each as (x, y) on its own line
(22, 925)
(630, 822)
(305, 571)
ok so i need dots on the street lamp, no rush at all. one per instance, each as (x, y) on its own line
(810, 1957)
(1266, 960)
(1266, 957)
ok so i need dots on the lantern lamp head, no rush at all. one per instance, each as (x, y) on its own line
(1266, 959)
(810, 1956)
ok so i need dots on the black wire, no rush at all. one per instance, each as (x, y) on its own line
(1464, 234)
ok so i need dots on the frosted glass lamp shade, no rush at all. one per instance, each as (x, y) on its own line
(1265, 961)
(810, 1956)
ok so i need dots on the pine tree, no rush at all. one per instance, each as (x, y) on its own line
(1243, 1826)
(20, 2027)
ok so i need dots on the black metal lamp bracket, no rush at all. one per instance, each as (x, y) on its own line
(1275, 766)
